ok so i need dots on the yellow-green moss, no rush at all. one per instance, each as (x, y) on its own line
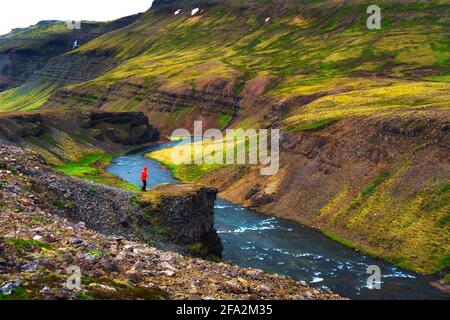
(92, 168)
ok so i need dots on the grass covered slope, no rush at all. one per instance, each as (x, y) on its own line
(326, 38)
(29, 58)
(230, 56)
(93, 168)
(26, 97)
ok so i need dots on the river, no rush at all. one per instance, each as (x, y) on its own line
(287, 248)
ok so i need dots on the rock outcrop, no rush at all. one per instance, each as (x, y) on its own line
(66, 135)
(135, 126)
(187, 211)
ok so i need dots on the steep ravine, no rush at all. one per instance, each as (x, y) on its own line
(69, 135)
(278, 246)
(50, 221)
(379, 184)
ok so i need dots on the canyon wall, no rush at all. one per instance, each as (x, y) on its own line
(67, 136)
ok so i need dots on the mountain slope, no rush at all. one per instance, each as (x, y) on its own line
(34, 64)
(364, 113)
(307, 49)
(229, 58)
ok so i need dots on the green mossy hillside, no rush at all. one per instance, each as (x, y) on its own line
(319, 48)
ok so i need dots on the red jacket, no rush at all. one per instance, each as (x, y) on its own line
(144, 174)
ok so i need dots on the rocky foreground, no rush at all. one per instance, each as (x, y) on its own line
(40, 250)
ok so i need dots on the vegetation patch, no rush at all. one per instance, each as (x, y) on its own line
(64, 204)
(223, 120)
(199, 250)
(26, 244)
(312, 126)
(375, 184)
(358, 201)
(447, 278)
(27, 97)
(96, 252)
(19, 293)
(40, 219)
(341, 240)
(93, 168)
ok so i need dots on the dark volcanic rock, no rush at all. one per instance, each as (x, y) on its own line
(14, 128)
(29, 125)
(187, 211)
(126, 128)
(135, 126)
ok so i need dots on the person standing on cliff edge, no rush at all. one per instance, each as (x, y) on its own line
(144, 176)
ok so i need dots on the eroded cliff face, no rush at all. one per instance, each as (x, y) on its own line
(72, 68)
(66, 136)
(187, 212)
(171, 108)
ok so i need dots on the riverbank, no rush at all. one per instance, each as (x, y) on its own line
(92, 168)
(336, 215)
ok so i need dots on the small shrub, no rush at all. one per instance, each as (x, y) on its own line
(83, 296)
(134, 200)
(224, 120)
(96, 252)
(447, 278)
(40, 220)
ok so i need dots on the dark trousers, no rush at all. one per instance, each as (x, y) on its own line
(144, 185)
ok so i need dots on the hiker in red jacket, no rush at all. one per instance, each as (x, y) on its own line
(144, 176)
